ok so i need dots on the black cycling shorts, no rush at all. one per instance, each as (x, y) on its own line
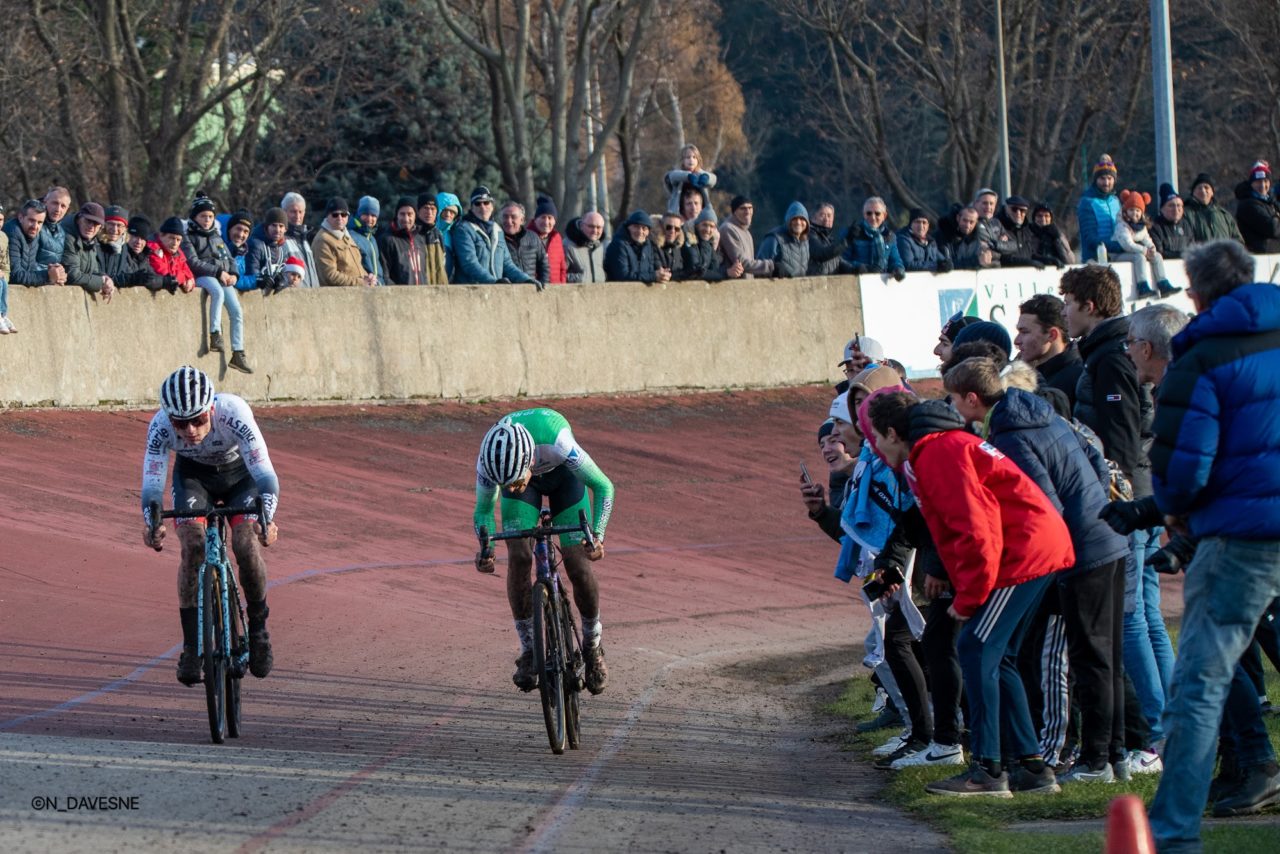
(198, 485)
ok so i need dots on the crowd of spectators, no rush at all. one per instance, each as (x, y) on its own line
(1010, 537)
(431, 239)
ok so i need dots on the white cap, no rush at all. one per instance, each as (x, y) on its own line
(840, 409)
(869, 347)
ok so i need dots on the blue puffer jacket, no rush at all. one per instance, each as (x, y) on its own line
(1069, 470)
(1216, 456)
(918, 257)
(1097, 215)
(875, 250)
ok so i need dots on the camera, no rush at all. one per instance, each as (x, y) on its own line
(881, 580)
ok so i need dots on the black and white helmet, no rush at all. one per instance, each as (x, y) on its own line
(507, 450)
(186, 393)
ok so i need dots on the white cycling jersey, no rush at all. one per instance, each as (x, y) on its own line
(234, 436)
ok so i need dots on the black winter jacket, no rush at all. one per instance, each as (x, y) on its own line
(1112, 403)
(529, 253)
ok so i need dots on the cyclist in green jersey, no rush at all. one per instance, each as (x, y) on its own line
(527, 457)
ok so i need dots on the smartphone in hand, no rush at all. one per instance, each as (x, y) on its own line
(804, 475)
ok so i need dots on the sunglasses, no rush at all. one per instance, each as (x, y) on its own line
(183, 423)
(340, 214)
(671, 228)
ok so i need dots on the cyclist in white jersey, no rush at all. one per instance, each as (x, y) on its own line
(221, 458)
(526, 458)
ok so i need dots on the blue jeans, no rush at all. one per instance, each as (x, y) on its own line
(220, 295)
(1148, 654)
(988, 649)
(1229, 585)
(4, 296)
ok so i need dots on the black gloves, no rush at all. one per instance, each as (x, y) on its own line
(857, 269)
(1174, 557)
(945, 265)
(1125, 517)
(899, 274)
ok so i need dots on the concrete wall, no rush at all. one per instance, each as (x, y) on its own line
(433, 342)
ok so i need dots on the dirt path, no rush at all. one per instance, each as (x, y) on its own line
(390, 722)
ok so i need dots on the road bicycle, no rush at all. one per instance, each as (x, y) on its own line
(557, 644)
(222, 642)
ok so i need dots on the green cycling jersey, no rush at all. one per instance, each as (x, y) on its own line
(554, 446)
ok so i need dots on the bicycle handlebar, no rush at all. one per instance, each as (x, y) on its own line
(540, 531)
(206, 512)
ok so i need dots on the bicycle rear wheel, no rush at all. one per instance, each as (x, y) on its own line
(234, 671)
(215, 663)
(574, 667)
(548, 661)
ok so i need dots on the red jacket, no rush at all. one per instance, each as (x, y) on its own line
(559, 270)
(992, 525)
(174, 265)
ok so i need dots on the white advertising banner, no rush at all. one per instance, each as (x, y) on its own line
(906, 316)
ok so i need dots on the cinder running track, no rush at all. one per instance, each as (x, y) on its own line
(390, 722)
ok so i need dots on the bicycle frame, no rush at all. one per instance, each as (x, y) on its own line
(228, 590)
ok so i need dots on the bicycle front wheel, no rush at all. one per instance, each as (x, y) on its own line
(234, 669)
(574, 668)
(548, 661)
(215, 662)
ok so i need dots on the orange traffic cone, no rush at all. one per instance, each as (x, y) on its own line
(1127, 828)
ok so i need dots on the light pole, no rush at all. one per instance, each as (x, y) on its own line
(1006, 184)
(1162, 86)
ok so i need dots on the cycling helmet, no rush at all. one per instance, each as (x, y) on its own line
(186, 393)
(507, 450)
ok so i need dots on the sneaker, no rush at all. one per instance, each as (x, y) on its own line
(1082, 772)
(4, 325)
(525, 677)
(892, 744)
(8, 324)
(882, 697)
(1166, 288)
(1029, 782)
(1145, 762)
(189, 666)
(215, 342)
(888, 717)
(239, 362)
(975, 782)
(1260, 788)
(1120, 769)
(909, 748)
(933, 754)
(260, 658)
(597, 674)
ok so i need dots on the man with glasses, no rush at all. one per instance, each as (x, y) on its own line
(337, 255)
(871, 246)
(479, 249)
(221, 458)
(81, 257)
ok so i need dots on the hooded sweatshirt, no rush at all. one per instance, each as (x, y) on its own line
(993, 526)
(788, 253)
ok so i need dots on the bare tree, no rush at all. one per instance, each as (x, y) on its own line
(912, 88)
(539, 56)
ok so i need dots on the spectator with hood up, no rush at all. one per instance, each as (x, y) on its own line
(1051, 245)
(787, 246)
(449, 209)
